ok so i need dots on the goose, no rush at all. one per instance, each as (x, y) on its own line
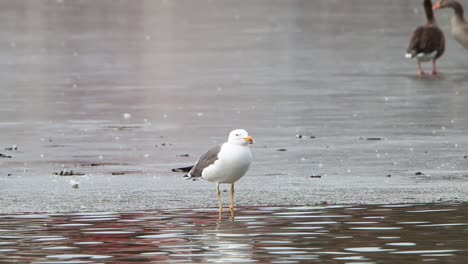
(427, 42)
(459, 25)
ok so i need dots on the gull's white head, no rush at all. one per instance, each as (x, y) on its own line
(240, 137)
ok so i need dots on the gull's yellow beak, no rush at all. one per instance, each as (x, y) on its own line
(249, 139)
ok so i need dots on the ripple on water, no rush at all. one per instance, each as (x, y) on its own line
(11, 237)
(306, 208)
(130, 220)
(388, 237)
(115, 232)
(398, 205)
(302, 258)
(444, 225)
(234, 235)
(432, 211)
(256, 224)
(7, 250)
(246, 218)
(161, 236)
(302, 227)
(96, 219)
(270, 208)
(300, 213)
(420, 252)
(374, 228)
(73, 225)
(94, 214)
(361, 223)
(26, 216)
(413, 223)
(196, 255)
(64, 262)
(187, 250)
(4, 243)
(374, 217)
(88, 243)
(334, 253)
(437, 255)
(401, 244)
(157, 253)
(288, 252)
(75, 256)
(48, 238)
(230, 245)
(339, 206)
(236, 260)
(313, 216)
(273, 242)
(285, 248)
(292, 234)
(59, 248)
(351, 258)
(316, 223)
(255, 212)
(368, 249)
(153, 218)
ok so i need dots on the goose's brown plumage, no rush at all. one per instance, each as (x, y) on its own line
(427, 42)
(459, 25)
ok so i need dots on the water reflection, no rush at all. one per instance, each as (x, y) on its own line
(334, 234)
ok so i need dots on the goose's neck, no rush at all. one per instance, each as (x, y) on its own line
(429, 12)
(458, 9)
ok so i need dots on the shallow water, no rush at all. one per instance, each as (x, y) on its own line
(406, 233)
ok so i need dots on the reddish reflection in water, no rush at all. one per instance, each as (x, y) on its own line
(322, 234)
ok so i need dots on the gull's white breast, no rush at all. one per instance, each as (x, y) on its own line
(232, 163)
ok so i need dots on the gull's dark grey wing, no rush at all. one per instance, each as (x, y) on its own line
(204, 161)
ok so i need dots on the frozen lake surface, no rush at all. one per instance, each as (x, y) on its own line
(120, 92)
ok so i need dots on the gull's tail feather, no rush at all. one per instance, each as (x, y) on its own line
(182, 169)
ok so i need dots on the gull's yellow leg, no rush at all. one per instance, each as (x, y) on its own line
(220, 203)
(232, 200)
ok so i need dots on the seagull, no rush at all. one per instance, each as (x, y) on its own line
(225, 163)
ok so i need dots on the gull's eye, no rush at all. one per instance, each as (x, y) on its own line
(237, 135)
